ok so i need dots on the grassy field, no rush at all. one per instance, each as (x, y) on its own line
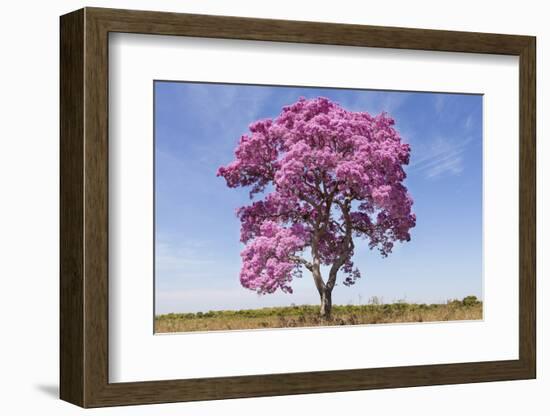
(308, 316)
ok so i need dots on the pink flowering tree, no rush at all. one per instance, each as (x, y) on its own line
(320, 177)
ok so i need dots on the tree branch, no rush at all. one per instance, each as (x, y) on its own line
(308, 200)
(346, 246)
(303, 261)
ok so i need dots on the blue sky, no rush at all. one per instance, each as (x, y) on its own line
(197, 260)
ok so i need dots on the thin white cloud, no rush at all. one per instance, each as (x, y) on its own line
(392, 102)
(468, 122)
(452, 164)
(173, 259)
(439, 103)
(445, 156)
(375, 102)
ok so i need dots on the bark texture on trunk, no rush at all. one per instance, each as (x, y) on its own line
(326, 303)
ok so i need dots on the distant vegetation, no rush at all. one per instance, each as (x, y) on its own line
(375, 312)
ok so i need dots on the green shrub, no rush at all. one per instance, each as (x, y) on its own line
(470, 301)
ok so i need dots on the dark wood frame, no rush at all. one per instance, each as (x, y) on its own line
(84, 207)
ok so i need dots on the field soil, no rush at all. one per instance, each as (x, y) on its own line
(308, 316)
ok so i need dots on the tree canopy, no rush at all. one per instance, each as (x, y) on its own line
(320, 176)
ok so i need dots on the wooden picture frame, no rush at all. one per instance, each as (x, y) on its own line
(84, 207)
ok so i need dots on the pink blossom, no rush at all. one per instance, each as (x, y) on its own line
(334, 175)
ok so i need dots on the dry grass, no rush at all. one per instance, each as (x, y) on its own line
(308, 316)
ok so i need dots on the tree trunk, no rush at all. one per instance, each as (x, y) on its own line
(326, 303)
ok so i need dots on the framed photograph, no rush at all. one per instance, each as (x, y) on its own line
(254, 207)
